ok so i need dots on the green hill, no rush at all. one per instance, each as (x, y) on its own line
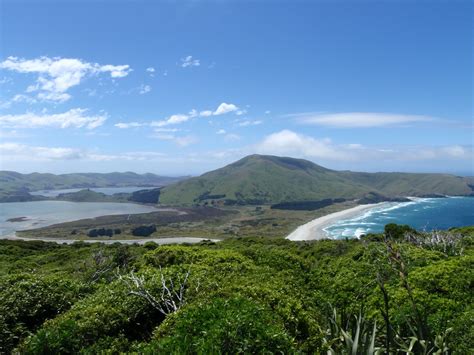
(11, 181)
(259, 179)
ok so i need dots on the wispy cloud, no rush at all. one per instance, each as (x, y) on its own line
(182, 141)
(127, 125)
(359, 119)
(57, 75)
(247, 123)
(189, 61)
(294, 144)
(151, 71)
(222, 109)
(75, 118)
(144, 89)
(14, 151)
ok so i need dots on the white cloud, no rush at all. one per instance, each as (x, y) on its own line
(290, 143)
(158, 130)
(171, 120)
(221, 131)
(116, 71)
(250, 123)
(222, 109)
(24, 98)
(206, 113)
(359, 119)
(125, 125)
(182, 141)
(190, 62)
(151, 71)
(75, 118)
(455, 151)
(267, 112)
(144, 89)
(225, 108)
(287, 142)
(22, 152)
(57, 75)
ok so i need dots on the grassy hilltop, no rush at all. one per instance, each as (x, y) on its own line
(258, 179)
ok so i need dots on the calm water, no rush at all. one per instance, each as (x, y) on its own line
(45, 213)
(422, 214)
(104, 190)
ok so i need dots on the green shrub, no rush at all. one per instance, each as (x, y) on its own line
(234, 325)
(27, 301)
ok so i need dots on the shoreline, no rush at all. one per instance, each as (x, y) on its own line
(140, 241)
(314, 230)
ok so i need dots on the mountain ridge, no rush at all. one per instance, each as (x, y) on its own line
(268, 179)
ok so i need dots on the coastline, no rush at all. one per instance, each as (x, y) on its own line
(140, 241)
(314, 230)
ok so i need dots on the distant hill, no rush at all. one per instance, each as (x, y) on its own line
(259, 179)
(15, 186)
(87, 195)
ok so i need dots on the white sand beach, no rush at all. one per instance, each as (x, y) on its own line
(314, 230)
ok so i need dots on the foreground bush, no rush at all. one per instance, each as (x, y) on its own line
(226, 326)
(26, 302)
(250, 295)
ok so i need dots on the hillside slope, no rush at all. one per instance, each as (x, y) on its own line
(11, 181)
(260, 179)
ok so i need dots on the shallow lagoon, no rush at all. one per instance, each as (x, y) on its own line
(44, 213)
(104, 190)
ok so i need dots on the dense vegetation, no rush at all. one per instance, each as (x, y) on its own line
(306, 205)
(261, 179)
(145, 196)
(402, 290)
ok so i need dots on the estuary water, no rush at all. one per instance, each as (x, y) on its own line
(421, 213)
(104, 190)
(38, 214)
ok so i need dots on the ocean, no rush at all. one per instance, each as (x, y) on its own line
(421, 213)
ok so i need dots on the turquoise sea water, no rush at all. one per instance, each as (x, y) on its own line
(422, 214)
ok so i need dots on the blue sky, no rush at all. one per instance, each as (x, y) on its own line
(182, 87)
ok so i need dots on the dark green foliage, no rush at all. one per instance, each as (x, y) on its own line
(145, 196)
(144, 231)
(27, 301)
(243, 295)
(222, 326)
(306, 205)
(100, 232)
(397, 231)
(374, 197)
